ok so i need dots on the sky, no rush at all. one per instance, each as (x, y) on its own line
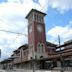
(58, 21)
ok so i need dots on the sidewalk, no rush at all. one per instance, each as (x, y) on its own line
(23, 70)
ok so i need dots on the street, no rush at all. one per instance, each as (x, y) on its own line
(23, 70)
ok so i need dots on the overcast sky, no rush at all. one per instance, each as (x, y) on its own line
(58, 21)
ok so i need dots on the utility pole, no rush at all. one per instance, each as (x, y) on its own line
(60, 54)
(59, 39)
(33, 61)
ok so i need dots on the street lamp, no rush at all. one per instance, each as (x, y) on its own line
(33, 61)
(60, 55)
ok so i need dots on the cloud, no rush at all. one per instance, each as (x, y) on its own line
(12, 18)
(61, 5)
(64, 32)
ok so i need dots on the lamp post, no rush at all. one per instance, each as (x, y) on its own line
(33, 60)
(60, 55)
(33, 66)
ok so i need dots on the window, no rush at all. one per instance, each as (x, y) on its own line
(35, 17)
(41, 19)
(24, 53)
(40, 48)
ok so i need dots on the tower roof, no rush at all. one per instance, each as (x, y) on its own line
(34, 10)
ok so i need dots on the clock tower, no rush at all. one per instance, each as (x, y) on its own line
(36, 34)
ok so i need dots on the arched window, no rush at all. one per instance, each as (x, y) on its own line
(40, 47)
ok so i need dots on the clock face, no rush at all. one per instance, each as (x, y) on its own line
(30, 29)
(39, 28)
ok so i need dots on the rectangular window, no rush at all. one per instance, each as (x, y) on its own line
(35, 17)
(24, 53)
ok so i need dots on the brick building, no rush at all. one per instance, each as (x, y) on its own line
(38, 52)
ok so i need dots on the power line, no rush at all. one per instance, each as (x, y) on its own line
(17, 32)
(13, 32)
(43, 6)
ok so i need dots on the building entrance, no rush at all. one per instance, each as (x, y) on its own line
(47, 64)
